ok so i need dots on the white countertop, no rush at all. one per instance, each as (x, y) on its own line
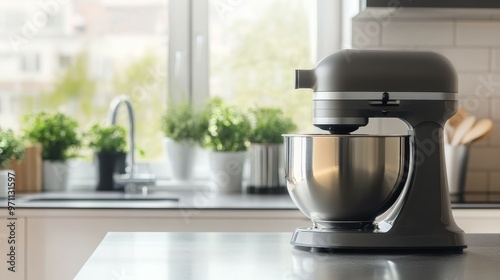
(270, 256)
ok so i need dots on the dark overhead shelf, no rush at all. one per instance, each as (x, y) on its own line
(434, 3)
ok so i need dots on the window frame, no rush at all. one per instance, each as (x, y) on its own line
(189, 53)
(188, 57)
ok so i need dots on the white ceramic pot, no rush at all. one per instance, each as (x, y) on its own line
(55, 175)
(227, 170)
(180, 158)
(4, 182)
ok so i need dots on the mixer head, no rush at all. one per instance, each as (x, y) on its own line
(341, 129)
(352, 86)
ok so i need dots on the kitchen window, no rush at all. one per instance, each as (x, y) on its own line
(74, 56)
(156, 50)
(254, 47)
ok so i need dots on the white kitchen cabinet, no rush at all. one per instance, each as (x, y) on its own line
(55, 243)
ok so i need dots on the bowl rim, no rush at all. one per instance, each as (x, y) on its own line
(320, 135)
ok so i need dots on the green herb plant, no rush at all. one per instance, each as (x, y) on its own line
(108, 139)
(228, 129)
(11, 147)
(182, 122)
(269, 124)
(56, 132)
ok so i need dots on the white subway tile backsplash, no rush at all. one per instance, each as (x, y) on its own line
(473, 46)
(418, 33)
(474, 105)
(468, 83)
(475, 197)
(494, 182)
(466, 60)
(484, 159)
(481, 85)
(489, 86)
(493, 197)
(476, 181)
(494, 138)
(495, 60)
(495, 109)
(494, 187)
(478, 33)
(366, 34)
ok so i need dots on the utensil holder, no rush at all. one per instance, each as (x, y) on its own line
(267, 169)
(456, 158)
(28, 170)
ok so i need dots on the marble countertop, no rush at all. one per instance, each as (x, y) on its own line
(270, 256)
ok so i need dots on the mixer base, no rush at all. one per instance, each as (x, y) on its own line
(331, 239)
(384, 250)
(338, 226)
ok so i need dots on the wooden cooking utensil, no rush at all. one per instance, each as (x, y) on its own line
(459, 116)
(483, 137)
(462, 129)
(448, 133)
(479, 131)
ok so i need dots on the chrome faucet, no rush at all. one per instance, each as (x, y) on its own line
(133, 181)
(113, 110)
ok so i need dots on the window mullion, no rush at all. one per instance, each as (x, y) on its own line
(329, 22)
(179, 51)
(199, 52)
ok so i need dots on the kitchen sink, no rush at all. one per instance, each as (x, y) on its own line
(100, 197)
(103, 199)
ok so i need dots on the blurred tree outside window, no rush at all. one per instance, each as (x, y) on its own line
(255, 47)
(80, 58)
(88, 52)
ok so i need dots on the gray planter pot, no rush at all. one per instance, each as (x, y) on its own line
(267, 174)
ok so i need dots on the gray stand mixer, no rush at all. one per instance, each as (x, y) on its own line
(375, 191)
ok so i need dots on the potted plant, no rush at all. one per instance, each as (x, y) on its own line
(183, 130)
(108, 143)
(57, 133)
(226, 137)
(266, 150)
(11, 148)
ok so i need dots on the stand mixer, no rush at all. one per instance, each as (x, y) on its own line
(375, 191)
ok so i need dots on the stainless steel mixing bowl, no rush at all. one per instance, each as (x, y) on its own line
(345, 178)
